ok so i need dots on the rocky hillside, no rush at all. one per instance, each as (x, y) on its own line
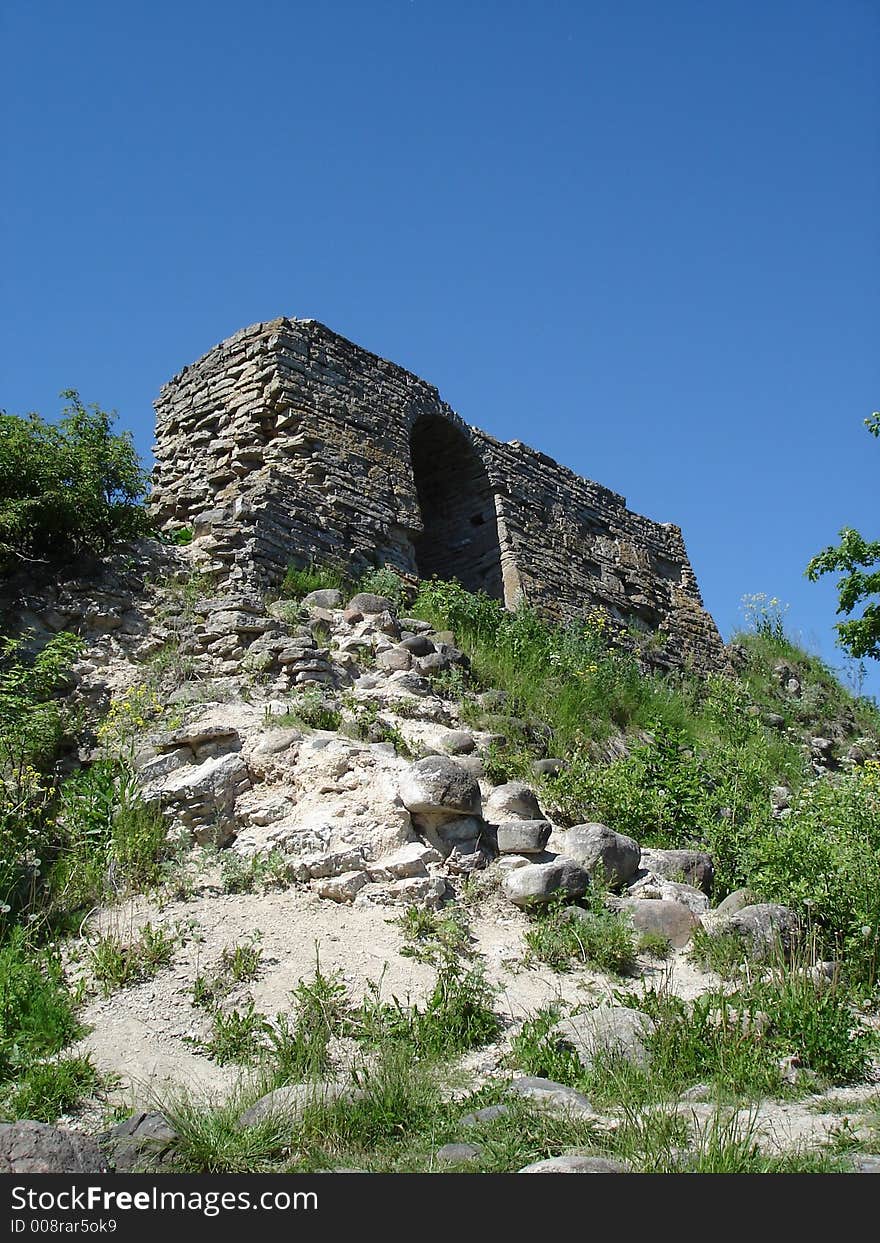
(377, 878)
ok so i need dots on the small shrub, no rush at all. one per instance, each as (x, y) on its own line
(310, 710)
(238, 1036)
(37, 1009)
(49, 1089)
(119, 964)
(254, 873)
(210, 1141)
(385, 582)
(298, 583)
(561, 936)
(429, 935)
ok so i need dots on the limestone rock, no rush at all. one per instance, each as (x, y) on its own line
(522, 837)
(324, 598)
(595, 845)
(536, 883)
(437, 784)
(512, 801)
(765, 929)
(458, 1154)
(735, 901)
(693, 867)
(671, 920)
(575, 1163)
(145, 1141)
(369, 604)
(553, 1097)
(289, 1103)
(343, 888)
(614, 1030)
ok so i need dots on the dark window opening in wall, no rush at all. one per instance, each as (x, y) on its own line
(460, 539)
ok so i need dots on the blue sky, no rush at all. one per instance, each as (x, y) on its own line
(639, 236)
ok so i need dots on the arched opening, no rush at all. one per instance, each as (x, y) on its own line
(460, 538)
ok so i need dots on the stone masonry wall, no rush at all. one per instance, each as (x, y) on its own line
(287, 444)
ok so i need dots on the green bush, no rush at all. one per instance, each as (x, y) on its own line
(591, 936)
(33, 727)
(67, 487)
(108, 842)
(824, 860)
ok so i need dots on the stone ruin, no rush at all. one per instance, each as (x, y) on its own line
(287, 444)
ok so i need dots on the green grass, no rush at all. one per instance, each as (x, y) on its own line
(38, 1020)
(735, 1042)
(400, 1117)
(48, 1089)
(589, 935)
(117, 963)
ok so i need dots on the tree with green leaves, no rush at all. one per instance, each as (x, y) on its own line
(67, 487)
(858, 561)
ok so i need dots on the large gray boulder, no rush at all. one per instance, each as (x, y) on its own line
(324, 598)
(672, 920)
(693, 867)
(546, 1094)
(36, 1148)
(595, 845)
(288, 1104)
(575, 1163)
(617, 1031)
(202, 797)
(141, 1143)
(438, 785)
(523, 837)
(536, 883)
(735, 901)
(512, 801)
(368, 603)
(766, 929)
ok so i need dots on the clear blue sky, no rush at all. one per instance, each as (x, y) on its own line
(639, 235)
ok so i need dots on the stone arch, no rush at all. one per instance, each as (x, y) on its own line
(459, 539)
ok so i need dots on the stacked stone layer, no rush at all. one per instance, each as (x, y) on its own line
(287, 443)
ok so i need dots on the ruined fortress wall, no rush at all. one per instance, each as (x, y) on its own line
(287, 443)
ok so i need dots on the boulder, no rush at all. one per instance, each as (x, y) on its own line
(325, 598)
(36, 1148)
(595, 845)
(410, 860)
(765, 929)
(537, 883)
(513, 801)
(649, 886)
(369, 604)
(693, 867)
(458, 742)
(343, 888)
(458, 1154)
(550, 767)
(735, 902)
(437, 784)
(546, 1094)
(417, 645)
(671, 920)
(614, 1030)
(575, 1163)
(395, 659)
(290, 1103)
(523, 837)
(202, 797)
(143, 1142)
(485, 1116)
